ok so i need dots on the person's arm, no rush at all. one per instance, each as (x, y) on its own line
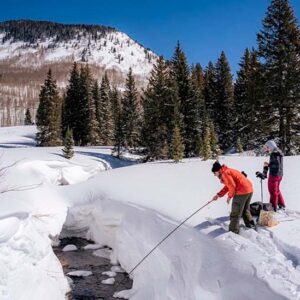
(266, 169)
(223, 192)
(230, 184)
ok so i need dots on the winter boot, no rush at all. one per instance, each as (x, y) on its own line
(252, 225)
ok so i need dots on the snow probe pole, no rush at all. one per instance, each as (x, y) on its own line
(169, 234)
(261, 191)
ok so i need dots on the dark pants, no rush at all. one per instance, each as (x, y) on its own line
(240, 208)
(276, 197)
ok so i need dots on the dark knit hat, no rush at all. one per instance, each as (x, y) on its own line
(216, 167)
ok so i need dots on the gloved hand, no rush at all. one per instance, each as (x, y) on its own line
(260, 175)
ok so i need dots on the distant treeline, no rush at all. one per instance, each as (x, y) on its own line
(34, 31)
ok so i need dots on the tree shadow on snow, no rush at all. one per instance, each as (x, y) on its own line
(17, 145)
(113, 161)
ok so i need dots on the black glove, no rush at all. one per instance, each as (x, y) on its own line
(260, 175)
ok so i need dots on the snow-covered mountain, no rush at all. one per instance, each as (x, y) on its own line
(33, 44)
(29, 48)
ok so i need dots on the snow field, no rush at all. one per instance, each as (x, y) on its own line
(130, 210)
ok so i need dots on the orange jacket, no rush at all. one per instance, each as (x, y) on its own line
(235, 183)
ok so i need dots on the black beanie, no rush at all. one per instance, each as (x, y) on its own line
(216, 167)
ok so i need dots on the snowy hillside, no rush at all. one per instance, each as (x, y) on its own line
(131, 209)
(109, 49)
(29, 48)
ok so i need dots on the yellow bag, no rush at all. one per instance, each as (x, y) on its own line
(267, 218)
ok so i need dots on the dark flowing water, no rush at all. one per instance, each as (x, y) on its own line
(89, 287)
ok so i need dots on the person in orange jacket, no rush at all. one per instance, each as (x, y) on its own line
(239, 188)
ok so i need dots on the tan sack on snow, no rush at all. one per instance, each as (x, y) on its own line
(267, 218)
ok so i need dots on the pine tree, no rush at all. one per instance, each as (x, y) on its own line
(158, 112)
(86, 122)
(131, 113)
(251, 109)
(214, 143)
(224, 109)
(93, 125)
(197, 76)
(71, 112)
(279, 48)
(118, 126)
(206, 147)
(28, 119)
(239, 146)
(48, 116)
(210, 92)
(105, 116)
(68, 151)
(189, 101)
(177, 145)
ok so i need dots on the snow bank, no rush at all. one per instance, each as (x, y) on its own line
(189, 265)
(28, 266)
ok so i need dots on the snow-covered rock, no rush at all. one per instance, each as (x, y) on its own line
(92, 247)
(80, 273)
(109, 273)
(108, 281)
(105, 253)
(69, 248)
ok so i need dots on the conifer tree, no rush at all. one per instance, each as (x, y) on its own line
(210, 92)
(189, 101)
(251, 107)
(214, 143)
(68, 150)
(239, 146)
(49, 114)
(131, 113)
(105, 116)
(158, 112)
(224, 109)
(85, 123)
(177, 145)
(118, 126)
(197, 76)
(71, 112)
(93, 125)
(206, 147)
(279, 45)
(28, 119)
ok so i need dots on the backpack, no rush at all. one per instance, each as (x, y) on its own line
(256, 207)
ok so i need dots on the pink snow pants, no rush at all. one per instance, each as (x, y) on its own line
(274, 190)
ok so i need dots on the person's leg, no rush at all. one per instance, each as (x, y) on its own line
(273, 190)
(238, 203)
(281, 202)
(247, 217)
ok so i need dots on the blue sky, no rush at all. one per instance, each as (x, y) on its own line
(204, 27)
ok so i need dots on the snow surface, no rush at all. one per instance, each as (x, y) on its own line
(130, 210)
